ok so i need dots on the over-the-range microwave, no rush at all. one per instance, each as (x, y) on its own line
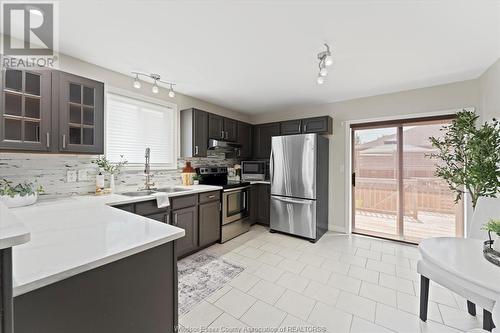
(254, 170)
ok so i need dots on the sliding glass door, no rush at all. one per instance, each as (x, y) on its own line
(395, 191)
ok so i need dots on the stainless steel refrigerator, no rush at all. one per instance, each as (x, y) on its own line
(299, 185)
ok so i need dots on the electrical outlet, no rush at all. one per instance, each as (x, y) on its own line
(71, 176)
(83, 175)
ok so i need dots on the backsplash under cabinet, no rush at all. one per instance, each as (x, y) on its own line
(50, 172)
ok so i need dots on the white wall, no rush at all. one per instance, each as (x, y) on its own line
(124, 82)
(489, 85)
(443, 97)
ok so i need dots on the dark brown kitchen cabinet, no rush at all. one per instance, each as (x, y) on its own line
(230, 129)
(254, 203)
(209, 223)
(215, 127)
(291, 127)
(321, 125)
(194, 133)
(245, 140)
(221, 128)
(81, 113)
(262, 139)
(264, 204)
(187, 219)
(25, 112)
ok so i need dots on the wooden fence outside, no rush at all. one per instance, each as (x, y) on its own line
(420, 194)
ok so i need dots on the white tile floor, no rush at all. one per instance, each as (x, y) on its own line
(343, 283)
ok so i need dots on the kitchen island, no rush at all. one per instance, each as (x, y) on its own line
(90, 267)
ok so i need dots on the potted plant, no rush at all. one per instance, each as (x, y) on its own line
(493, 226)
(196, 179)
(22, 194)
(111, 168)
(469, 157)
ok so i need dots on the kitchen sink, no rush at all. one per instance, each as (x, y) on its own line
(138, 193)
(171, 189)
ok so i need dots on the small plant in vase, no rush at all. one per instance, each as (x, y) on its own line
(111, 168)
(196, 179)
(493, 226)
(22, 194)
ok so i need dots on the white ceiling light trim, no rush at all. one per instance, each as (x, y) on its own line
(156, 78)
(325, 60)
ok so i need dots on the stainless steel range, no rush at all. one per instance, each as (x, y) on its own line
(235, 201)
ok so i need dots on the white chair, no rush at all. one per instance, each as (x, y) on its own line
(486, 209)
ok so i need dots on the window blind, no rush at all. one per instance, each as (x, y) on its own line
(132, 125)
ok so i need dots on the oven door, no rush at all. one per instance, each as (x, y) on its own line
(235, 204)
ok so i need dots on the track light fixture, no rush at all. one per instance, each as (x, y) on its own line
(325, 60)
(156, 79)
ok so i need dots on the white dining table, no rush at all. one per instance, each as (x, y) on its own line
(459, 265)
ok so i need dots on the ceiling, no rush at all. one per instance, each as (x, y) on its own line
(260, 56)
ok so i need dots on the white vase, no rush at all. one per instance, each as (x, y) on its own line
(19, 201)
(112, 183)
(496, 242)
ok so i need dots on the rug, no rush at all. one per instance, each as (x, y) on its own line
(200, 275)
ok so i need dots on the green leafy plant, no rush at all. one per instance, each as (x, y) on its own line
(469, 157)
(493, 226)
(22, 189)
(109, 167)
(196, 177)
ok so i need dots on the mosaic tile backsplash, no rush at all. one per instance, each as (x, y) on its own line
(50, 172)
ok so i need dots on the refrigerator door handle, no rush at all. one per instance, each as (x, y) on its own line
(296, 201)
(271, 166)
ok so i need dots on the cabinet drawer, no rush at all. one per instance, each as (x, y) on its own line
(184, 201)
(209, 196)
(148, 208)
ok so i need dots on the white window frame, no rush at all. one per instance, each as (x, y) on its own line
(143, 98)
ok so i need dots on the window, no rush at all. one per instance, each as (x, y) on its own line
(133, 124)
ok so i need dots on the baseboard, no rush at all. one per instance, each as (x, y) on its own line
(337, 228)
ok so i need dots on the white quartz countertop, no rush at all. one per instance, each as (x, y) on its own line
(12, 231)
(75, 234)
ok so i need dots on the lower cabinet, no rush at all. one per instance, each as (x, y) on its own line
(209, 223)
(198, 214)
(187, 219)
(260, 203)
(264, 203)
(200, 217)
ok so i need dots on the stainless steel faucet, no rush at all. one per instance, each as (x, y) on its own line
(148, 185)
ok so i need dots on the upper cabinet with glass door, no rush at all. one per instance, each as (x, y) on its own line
(81, 114)
(25, 112)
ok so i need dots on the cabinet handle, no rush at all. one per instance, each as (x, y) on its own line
(222, 134)
(48, 140)
(305, 127)
(211, 196)
(196, 150)
(175, 218)
(239, 152)
(226, 135)
(168, 218)
(64, 141)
